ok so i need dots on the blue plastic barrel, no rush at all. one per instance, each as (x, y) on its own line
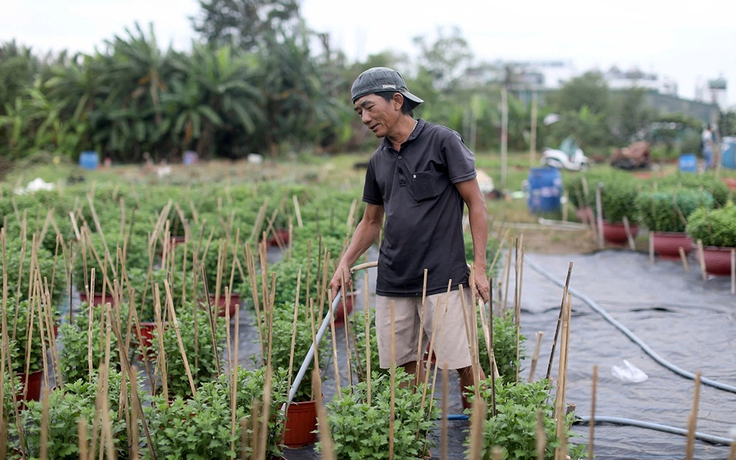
(688, 162)
(89, 159)
(728, 152)
(545, 188)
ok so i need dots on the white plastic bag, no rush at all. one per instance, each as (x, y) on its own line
(629, 373)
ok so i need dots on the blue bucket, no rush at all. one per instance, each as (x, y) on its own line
(89, 159)
(545, 188)
(728, 152)
(688, 162)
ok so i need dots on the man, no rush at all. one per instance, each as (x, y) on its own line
(420, 178)
(707, 143)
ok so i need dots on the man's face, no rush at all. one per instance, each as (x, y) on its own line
(378, 114)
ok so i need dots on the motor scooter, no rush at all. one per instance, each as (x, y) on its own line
(569, 156)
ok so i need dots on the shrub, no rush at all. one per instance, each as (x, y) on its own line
(504, 346)
(715, 227)
(360, 430)
(667, 211)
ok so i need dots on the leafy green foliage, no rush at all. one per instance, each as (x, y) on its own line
(20, 330)
(66, 406)
(504, 346)
(18, 259)
(514, 427)
(201, 427)
(715, 227)
(360, 430)
(668, 210)
(199, 348)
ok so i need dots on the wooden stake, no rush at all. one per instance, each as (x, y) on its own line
(559, 413)
(592, 413)
(508, 274)
(693, 420)
(298, 212)
(535, 356)
(559, 320)
(629, 237)
(44, 452)
(683, 257)
(599, 215)
(541, 436)
(175, 322)
(82, 430)
(392, 415)
(477, 421)
(445, 409)
(334, 349)
(651, 247)
(327, 446)
(701, 256)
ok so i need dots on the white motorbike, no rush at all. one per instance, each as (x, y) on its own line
(569, 156)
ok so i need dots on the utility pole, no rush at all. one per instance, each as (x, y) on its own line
(504, 132)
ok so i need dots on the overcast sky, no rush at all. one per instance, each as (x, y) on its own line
(690, 42)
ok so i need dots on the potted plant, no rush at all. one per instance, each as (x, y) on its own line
(67, 406)
(202, 347)
(514, 427)
(74, 340)
(362, 430)
(301, 415)
(201, 427)
(665, 213)
(26, 357)
(19, 269)
(716, 229)
(617, 201)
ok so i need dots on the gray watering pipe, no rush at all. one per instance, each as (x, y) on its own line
(628, 333)
(320, 334)
(655, 426)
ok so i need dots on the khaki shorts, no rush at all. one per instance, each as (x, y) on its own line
(450, 340)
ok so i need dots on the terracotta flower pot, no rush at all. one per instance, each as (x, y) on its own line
(345, 308)
(301, 424)
(97, 299)
(616, 233)
(667, 244)
(222, 305)
(717, 261)
(31, 384)
(145, 340)
(283, 235)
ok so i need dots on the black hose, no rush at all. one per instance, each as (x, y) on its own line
(655, 426)
(628, 333)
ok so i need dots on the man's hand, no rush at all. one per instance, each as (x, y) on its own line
(482, 288)
(342, 275)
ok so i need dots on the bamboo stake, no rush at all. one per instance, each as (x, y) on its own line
(172, 315)
(477, 420)
(559, 320)
(508, 274)
(559, 413)
(445, 409)
(161, 350)
(693, 420)
(83, 446)
(599, 214)
(651, 247)
(683, 258)
(535, 356)
(496, 453)
(334, 350)
(367, 321)
(541, 436)
(629, 237)
(732, 452)
(262, 443)
(421, 319)
(293, 327)
(392, 414)
(327, 446)
(44, 451)
(234, 395)
(520, 282)
(298, 212)
(701, 256)
(592, 414)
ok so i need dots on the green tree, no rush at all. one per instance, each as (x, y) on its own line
(588, 90)
(243, 24)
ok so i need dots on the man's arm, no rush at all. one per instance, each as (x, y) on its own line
(478, 215)
(366, 233)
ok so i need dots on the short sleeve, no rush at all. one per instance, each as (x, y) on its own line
(371, 191)
(459, 159)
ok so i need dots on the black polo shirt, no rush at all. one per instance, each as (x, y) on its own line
(423, 209)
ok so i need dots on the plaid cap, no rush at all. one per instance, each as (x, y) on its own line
(380, 79)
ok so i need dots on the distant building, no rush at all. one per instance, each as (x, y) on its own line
(717, 92)
(635, 78)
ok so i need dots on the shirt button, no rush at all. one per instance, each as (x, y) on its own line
(399, 157)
